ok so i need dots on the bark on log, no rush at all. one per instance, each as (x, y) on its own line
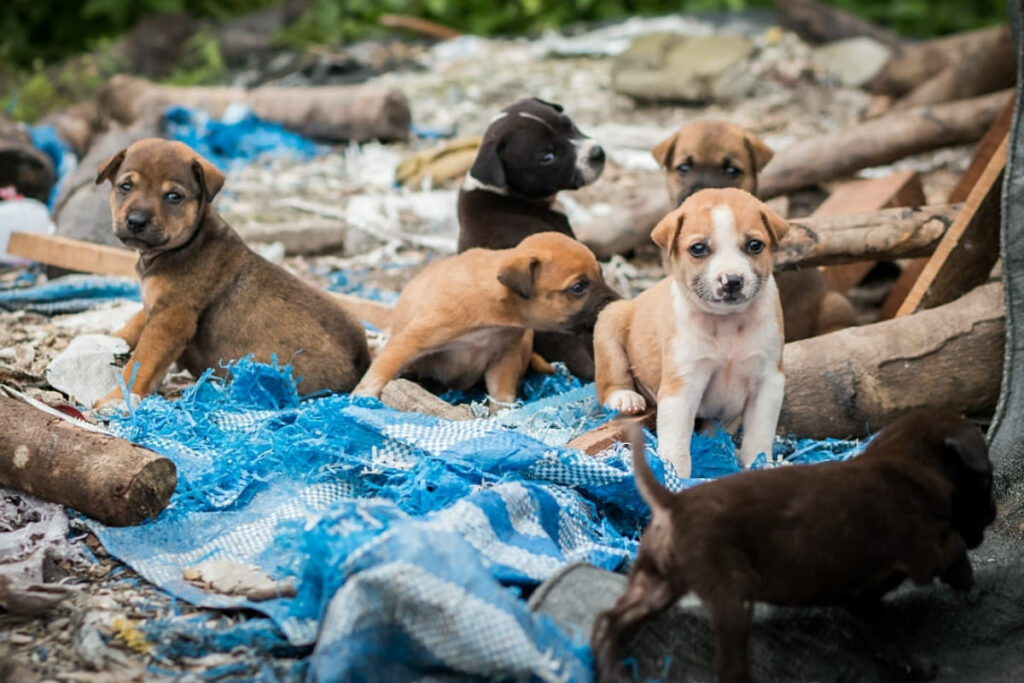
(104, 477)
(335, 113)
(989, 67)
(915, 63)
(817, 22)
(853, 382)
(404, 394)
(879, 141)
(903, 232)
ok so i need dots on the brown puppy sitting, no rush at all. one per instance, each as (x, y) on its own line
(207, 297)
(471, 316)
(707, 154)
(837, 533)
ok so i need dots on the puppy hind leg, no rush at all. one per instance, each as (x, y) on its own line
(730, 616)
(647, 593)
(502, 377)
(883, 639)
(403, 347)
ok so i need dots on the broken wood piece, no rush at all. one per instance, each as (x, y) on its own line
(818, 22)
(72, 254)
(602, 438)
(336, 113)
(899, 189)
(964, 257)
(102, 476)
(879, 235)
(406, 395)
(418, 25)
(986, 148)
(879, 141)
(852, 382)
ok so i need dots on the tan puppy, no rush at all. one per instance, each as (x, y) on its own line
(472, 316)
(707, 154)
(207, 297)
(707, 340)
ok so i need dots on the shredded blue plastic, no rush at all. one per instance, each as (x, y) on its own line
(69, 294)
(240, 137)
(408, 537)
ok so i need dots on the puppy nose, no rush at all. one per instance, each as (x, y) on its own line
(136, 220)
(596, 154)
(732, 284)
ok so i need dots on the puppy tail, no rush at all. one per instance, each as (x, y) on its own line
(377, 314)
(651, 490)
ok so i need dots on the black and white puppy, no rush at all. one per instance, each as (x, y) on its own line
(530, 151)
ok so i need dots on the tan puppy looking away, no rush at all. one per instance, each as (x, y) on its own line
(207, 298)
(472, 316)
(707, 340)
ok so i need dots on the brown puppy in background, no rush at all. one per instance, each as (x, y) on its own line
(472, 316)
(837, 533)
(207, 297)
(707, 154)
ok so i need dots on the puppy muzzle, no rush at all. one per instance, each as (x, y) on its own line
(590, 158)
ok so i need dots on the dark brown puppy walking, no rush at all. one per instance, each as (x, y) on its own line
(841, 533)
(207, 297)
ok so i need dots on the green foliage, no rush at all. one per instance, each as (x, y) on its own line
(201, 63)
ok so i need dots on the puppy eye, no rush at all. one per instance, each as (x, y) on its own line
(125, 187)
(755, 246)
(729, 169)
(549, 157)
(683, 168)
(173, 197)
(579, 288)
(698, 250)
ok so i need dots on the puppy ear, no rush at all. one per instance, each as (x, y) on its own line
(969, 446)
(760, 153)
(662, 152)
(518, 273)
(487, 166)
(209, 176)
(666, 232)
(556, 107)
(108, 169)
(776, 225)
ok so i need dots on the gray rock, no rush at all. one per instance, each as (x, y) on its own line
(854, 61)
(697, 69)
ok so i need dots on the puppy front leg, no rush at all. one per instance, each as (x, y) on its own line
(503, 375)
(162, 341)
(132, 329)
(400, 350)
(678, 403)
(647, 593)
(761, 416)
(881, 635)
(611, 364)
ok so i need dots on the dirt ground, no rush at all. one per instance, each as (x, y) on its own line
(94, 635)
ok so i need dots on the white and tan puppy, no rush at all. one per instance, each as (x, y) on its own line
(707, 340)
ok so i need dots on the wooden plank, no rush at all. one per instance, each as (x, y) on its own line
(78, 255)
(899, 189)
(601, 438)
(966, 254)
(986, 148)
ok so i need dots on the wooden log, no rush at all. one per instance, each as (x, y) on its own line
(404, 394)
(852, 382)
(104, 477)
(898, 189)
(915, 63)
(334, 113)
(986, 148)
(969, 249)
(988, 67)
(602, 438)
(64, 252)
(879, 141)
(817, 22)
(880, 235)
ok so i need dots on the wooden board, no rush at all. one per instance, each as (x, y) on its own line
(986, 148)
(899, 189)
(966, 254)
(65, 252)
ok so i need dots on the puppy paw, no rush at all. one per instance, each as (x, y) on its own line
(114, 403)
(367, 388)
(626, 402)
